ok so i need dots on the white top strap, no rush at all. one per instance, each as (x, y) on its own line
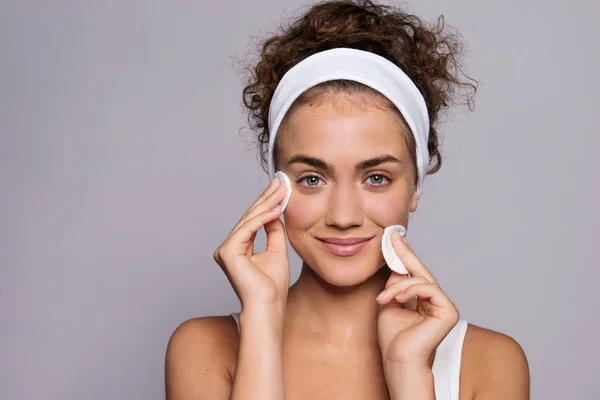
(447, 362)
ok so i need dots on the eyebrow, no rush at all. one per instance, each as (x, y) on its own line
(362, 165)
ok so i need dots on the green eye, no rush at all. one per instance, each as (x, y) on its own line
(377, 179)
(312, 180)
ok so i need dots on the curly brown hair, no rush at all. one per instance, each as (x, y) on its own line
(428, 54)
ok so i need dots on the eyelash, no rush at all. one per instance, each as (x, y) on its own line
(370, 176)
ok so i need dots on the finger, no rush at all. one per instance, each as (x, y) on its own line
(276, 236)
(267, 204)
(252, 212)
(398, 287)
(426, 291)
(410, 260)
(275, 183)
(273, 186)
(240, 239)
(395, 277)
(250, 246)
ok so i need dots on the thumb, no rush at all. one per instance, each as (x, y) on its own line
(276, 236)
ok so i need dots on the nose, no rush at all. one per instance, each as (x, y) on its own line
(345, 207)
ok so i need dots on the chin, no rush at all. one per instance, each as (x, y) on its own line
(344, 271)
(343, 276)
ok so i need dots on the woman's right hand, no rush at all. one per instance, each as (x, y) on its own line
(259, 279)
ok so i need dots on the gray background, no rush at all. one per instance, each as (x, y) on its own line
(123, 164)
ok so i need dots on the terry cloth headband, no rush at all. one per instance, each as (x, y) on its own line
(360, 66)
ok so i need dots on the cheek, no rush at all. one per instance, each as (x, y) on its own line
(387, 210)
(303, 212)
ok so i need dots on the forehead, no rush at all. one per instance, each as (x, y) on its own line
(342, 126)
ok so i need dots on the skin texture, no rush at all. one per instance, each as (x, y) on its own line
(345, 202)
(327, 336)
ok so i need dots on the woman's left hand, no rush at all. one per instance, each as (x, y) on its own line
(410, 329)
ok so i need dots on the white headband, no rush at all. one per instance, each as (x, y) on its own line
(360, 66)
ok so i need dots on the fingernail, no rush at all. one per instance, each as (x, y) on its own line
(273, 181)
(398, 235)
(381, 295)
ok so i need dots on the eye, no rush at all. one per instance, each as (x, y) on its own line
(310, 181)
(377, 179)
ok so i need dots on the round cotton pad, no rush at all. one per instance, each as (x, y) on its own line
(287, 185)
(389, 254)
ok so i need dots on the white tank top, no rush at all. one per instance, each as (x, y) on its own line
(446, 364)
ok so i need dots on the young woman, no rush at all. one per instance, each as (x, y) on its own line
(345, 102)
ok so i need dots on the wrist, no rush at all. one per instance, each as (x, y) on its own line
(264, 310)
(407, 370)
(271, 315)
(422, 363)
(410, 381)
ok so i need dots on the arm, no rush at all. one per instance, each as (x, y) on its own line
(259, 372)
(497, 362)
(201, 357)
(197, 366)
(410, 383)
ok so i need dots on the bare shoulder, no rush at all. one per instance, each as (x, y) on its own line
(200, 358)
(494, 366)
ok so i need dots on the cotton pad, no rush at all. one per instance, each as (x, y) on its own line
(287, 185)
(389, 254)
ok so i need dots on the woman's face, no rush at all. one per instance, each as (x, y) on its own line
(351, 176)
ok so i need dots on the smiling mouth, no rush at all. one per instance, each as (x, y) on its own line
(344, 247)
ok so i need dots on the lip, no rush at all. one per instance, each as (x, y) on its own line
(345, 247)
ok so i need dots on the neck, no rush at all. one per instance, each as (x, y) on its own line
(344, 315)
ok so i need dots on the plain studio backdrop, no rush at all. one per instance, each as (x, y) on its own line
(126, 158)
